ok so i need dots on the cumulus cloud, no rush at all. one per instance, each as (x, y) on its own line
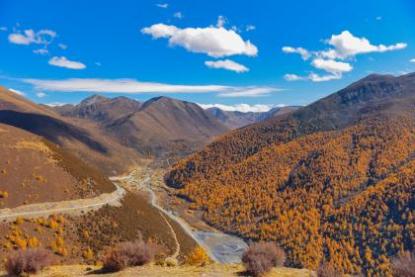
(64, 62)
(136, 87)
(162, 5)
(29, 36)
(331, 66)
(412, 60)
(18, 92)
(304, 53)
(228, 65)
(335, 61)
(347, 45)
(215, 41)
(245, 108)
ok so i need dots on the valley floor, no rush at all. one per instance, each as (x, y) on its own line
(214, 270)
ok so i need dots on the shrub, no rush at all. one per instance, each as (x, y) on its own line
(404, 265)
(27, 261)
(128, 254)
(171, 262)
(260, 257)
(327, 270)
(198, 256)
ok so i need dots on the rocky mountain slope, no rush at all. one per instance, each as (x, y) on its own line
(333, 181)
(159, 127)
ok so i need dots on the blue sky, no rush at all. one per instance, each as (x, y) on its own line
(210, 52)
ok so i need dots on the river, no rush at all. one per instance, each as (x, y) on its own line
(221, 247)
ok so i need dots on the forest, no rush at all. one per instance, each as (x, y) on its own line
(345, 197)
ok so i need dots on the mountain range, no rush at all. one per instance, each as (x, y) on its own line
(330, 182)
(237, 119)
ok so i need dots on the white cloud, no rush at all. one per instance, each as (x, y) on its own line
(250, 92)
(41, 51)
(18, 92)
(331, 66)
(347, 45)
(250, 27)
(29, 36)
(213, 41)
(162, 5)
(293, 77)
(304, 53)
(412, 60)
(258, 108)
(56, 104)
(64, 62)
(136, 87)
(344, 46)
(228, 65)
(178, 15)
(313, 77)
(323, 78)
(40, 94)
(63, 46)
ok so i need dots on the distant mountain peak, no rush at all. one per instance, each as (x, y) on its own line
(93, 100)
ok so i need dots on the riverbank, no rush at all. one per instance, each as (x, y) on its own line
(221, 247)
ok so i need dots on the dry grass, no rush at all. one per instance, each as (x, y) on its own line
(213, 270)
(33, 145)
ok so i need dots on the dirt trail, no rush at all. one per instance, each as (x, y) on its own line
(73, 207)
(177, 251)
(221, 247)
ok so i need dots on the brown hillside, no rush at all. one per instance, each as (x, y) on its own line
(333, 181)
(33, 170)
(164, 125)
(81, 137)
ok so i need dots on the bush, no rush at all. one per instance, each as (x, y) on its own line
(327, 270)
(404, 266)
(128, 254)
(28, 261)
(198, 256)
(171, 262)
(260, 257)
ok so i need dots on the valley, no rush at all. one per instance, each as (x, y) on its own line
(330, 182)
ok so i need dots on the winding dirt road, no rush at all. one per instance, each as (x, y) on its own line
(221, 247)
(72, 207)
